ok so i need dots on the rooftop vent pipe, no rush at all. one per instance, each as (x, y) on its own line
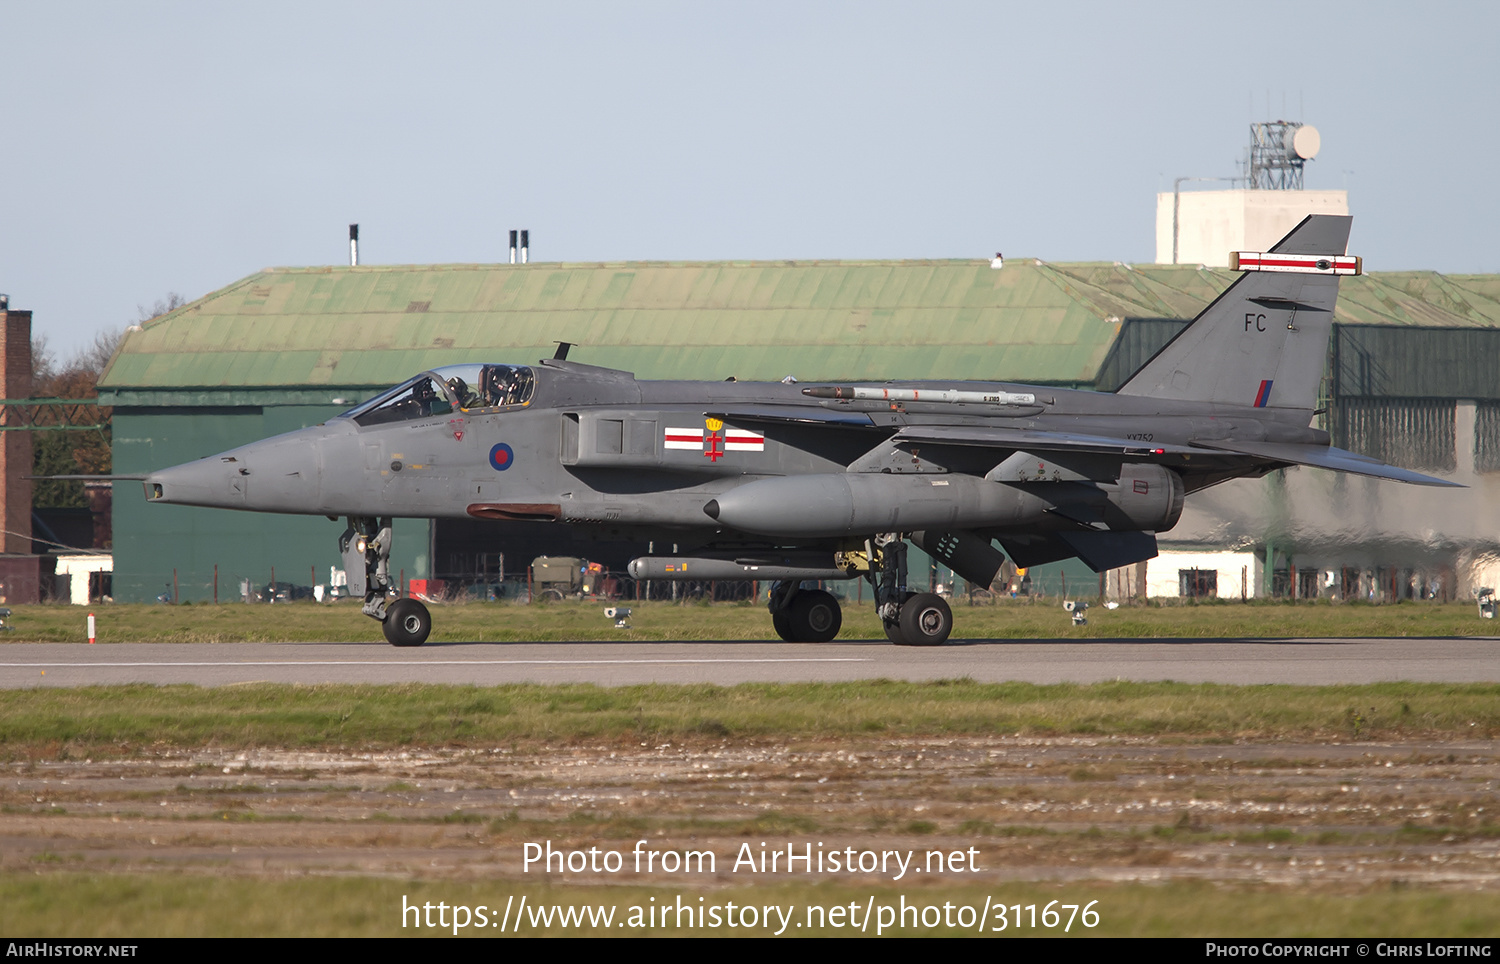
(353, 245)
(525, 245)
(512, 245)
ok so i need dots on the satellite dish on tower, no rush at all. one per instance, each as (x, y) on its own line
(1278, 151)
(1304, 142)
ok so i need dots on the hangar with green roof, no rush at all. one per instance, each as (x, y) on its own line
(1411, 379)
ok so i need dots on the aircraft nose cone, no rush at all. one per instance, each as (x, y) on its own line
(712, 509)
(215, 481)
(280, 474)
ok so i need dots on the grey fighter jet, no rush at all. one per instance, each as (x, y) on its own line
(791, 483)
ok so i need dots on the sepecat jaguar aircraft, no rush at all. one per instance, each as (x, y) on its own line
(797, 483)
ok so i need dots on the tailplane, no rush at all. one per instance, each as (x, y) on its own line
(1264, 341)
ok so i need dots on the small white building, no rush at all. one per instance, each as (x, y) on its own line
(1188, 574)
(77, 569)
(1210, 224)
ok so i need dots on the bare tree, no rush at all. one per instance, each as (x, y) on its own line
(67, 452)
(171, 302)
(43, 361)
(95, 356)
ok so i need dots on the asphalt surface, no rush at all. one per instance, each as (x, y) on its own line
(1236, 661)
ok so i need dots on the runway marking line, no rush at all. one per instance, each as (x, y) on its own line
(450, 662)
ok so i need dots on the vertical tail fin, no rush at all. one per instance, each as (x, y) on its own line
(1262, 342)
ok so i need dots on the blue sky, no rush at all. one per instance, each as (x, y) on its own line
(156, 147)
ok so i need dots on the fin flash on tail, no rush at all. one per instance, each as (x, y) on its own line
(1270, 328)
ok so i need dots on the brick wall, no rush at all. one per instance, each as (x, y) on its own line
(15, 453)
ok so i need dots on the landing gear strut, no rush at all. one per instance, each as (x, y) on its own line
(804, 615)
(366, 549)
(910, 619)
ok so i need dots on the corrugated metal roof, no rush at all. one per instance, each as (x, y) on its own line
(363, 327)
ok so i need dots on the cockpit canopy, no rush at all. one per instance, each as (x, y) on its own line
(442, 390)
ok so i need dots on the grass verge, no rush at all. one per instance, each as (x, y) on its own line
(63, 904)
(569, 621)
(125, 720)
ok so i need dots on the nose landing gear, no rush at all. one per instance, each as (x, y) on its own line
(366, 549)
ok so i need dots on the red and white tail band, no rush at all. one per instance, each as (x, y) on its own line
(1298, 263)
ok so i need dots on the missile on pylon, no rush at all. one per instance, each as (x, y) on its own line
(942, 395)
(774, 566)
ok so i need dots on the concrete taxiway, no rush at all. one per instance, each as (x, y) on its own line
(1234, 661)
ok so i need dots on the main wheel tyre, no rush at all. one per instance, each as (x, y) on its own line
(893, 630)
(783, 627)
(407, 623)
(926, 620)
(815, 616)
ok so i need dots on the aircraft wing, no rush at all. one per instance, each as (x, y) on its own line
(1325, 457)
(980, 436)
(1291, 453)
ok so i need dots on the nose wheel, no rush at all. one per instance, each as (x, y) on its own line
(407, 623)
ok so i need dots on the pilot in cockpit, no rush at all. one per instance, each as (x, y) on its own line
(424, 394)
(460, 390)
(487, 393)
(493, 386)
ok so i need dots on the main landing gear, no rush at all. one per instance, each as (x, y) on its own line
(366, 549)
(804, 615)
(910, 618)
